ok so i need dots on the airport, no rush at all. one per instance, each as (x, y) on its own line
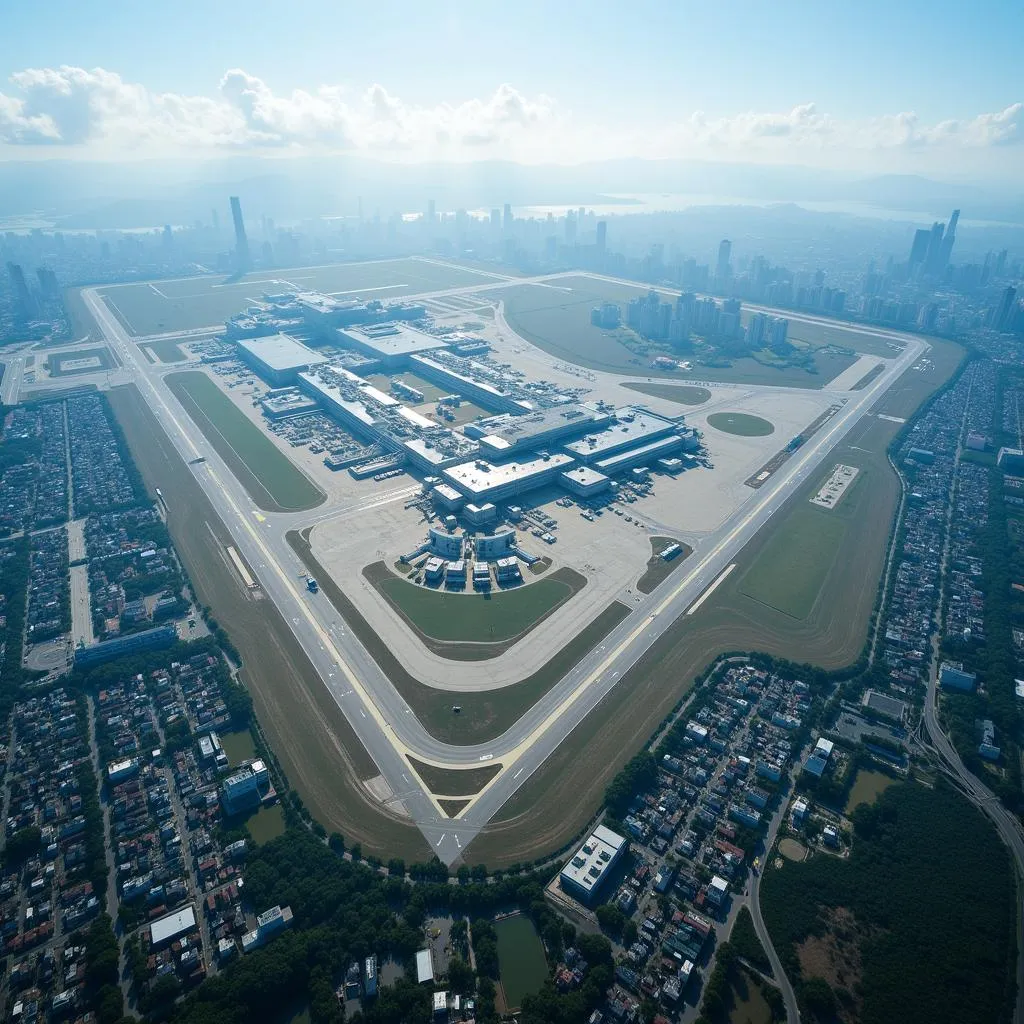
(426, 432)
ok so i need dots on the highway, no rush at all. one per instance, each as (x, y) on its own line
(985, 800)
(378, 713)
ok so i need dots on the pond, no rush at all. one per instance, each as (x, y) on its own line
(747, 1004)
(868, 787)
(522, 966)
(265, 824)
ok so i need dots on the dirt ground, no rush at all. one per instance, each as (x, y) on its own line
(319, 752)
(835, 956)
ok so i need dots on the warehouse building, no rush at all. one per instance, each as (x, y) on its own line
(642, 456)
(480, 515)
(447, 497)
(470, 388)
(437, 449)
(483, 481)
(424, 966)
(501, 436)
(289, 401)
(584, 482)
(588, 871)
(391, 343)
(632, 427)
(168, 928)
(278, 358)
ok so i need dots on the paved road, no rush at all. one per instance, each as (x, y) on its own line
(1008, 827)
(14, 372)
(379, 714)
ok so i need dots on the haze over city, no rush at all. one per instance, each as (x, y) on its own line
(511, 513)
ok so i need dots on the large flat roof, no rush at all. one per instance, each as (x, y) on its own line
(508, 431)
(480, 477)
(390, 339)
(281, 352)
(584, 475)
(424, 966)
(490, 389)
(173, 925)
(594, 858)
(631, 427)
(652, 450)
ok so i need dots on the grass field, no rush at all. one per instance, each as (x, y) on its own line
(455, 781)
(556, 318)
(794, 563)
(488, 618)
(270, 477)
(166, 350)
(658, 570)
(441, 623)
(317, 748)
(188, 303)
(684, 394)
(564, 794)
(742, 424)
(522, 966)
(486, 714)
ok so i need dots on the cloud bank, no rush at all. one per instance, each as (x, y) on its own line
(97, 113)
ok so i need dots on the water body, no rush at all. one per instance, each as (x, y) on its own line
(522, 966)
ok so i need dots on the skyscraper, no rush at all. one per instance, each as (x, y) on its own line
(507, 222)
(722, 268)
(431, 212)
(23, 305)
(570, 228)
(919, 248)
(1002, 316)
(948, 239)
(602, 235)
(933, 258)
(242, 260)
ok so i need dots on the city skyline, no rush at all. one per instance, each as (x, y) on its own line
(471, 85)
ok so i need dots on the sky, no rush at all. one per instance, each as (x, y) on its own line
(909, 86)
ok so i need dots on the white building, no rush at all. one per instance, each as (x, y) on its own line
(590, 868)
(168, 928)
(483, 481)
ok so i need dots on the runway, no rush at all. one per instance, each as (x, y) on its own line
(378, 713)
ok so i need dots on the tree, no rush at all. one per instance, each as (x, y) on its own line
(818, 1001)
(23, 844)
(460, 975)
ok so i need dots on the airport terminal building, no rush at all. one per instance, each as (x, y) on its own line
(278, 358)
(482, 481)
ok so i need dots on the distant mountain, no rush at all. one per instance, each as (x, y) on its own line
(151, 193)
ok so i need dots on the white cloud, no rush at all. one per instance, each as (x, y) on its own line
(997, 129)
(97, 112)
